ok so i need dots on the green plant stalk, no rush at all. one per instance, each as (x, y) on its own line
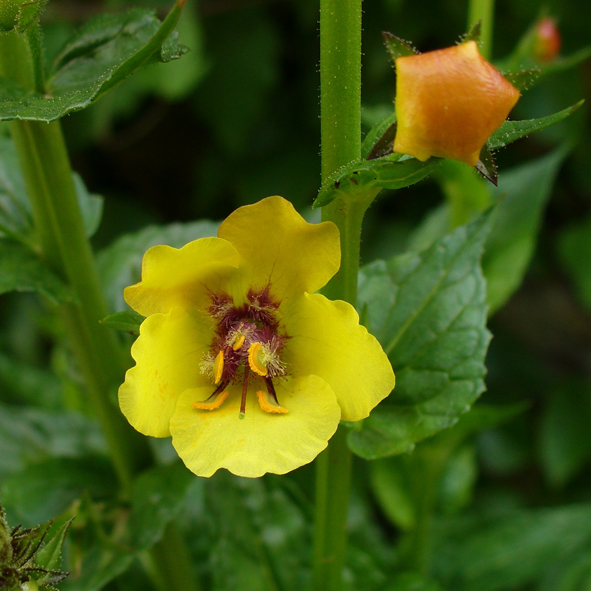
(62, 242)
(483, 10)
(340, 104)
(428, 467)
(170, 564)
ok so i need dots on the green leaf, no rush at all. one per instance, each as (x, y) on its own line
(523, 193)
(260, 537)
(391, 488)
(28, 435)
(22, 382)
(380, 139)
(511, 131)
(15, 211)
(41, 491)
(464, 190)
(120, 263)
(574, 249)
(564, 444)
(397, 47)
(358, 178)
(100, 566)
(101, 54)
(523, 79)
(487, 166)
(158, 496)
(480, 418)
(429, 312)
(50, 556)
(128, 321)
(29, 13)
(509, 552)
(458, 480)
(22, 270)
(91, 206)
(412, 582)
(473, 34)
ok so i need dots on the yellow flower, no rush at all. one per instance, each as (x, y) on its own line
(238, 359)
(449, 102)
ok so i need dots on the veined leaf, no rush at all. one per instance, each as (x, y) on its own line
(429, 312)
(511, 131)
(104, 52)
(358, 178)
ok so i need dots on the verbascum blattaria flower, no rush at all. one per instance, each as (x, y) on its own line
(238, 359)
(449, 102)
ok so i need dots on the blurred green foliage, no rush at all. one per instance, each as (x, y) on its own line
(504, 495)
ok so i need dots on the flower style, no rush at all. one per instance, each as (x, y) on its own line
(449, 102)
(238, 359)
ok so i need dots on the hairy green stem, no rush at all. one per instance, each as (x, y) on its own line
(340, 100)
(483, 10)
(62, 242)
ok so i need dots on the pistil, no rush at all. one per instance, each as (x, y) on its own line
(242, 413)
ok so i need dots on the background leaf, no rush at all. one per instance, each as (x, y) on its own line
(523, 194)
(507, 552)
(158, 497)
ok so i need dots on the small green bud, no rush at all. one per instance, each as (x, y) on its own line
(9, 12)
(19, 14)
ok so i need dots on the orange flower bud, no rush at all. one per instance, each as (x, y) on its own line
(449, 102)
(547, 40)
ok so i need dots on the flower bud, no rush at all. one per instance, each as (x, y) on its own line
(449, 102)
(547, 40)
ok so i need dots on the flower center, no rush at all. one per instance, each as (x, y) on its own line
(248, 345)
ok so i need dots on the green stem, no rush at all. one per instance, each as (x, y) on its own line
(48, 178)
(425, 477)
(170, 563)
(340, 100)
(63, 244)
(333, 481)
(483, 10)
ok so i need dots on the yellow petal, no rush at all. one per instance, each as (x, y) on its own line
(279, 247)
(182, 277)
(167, 354)
(261, 442)
(448, 103)
(327, 340)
